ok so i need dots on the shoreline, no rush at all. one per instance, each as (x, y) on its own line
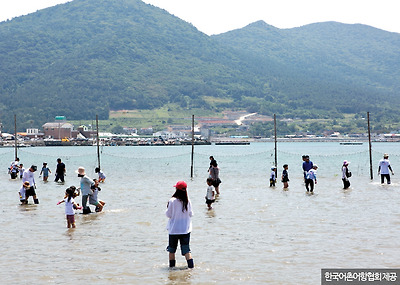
(214, 141)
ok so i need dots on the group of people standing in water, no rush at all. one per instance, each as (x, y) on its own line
(310, 173)
(88, 187)
(179, 207)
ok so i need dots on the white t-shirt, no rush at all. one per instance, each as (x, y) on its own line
(384, 164)
(344, 176)
(312, 174)
(22, 192)
(28, 176)
(179, 222)
(69, 206)
(210, 194)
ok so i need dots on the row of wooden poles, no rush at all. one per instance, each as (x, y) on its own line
(192, 153)
(276, 147)
(369, 146)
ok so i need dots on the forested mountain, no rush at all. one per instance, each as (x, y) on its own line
(87, 57)
(329, 66)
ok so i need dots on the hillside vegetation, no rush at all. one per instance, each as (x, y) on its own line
(89, 57)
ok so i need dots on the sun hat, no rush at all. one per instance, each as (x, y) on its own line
(181, 185)
(81, 170)
(346, 162)
(273, 167)
(26, 184)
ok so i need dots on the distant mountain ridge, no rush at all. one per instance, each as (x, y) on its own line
(356, 56)
(87, 57)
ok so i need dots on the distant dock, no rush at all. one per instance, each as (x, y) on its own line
(351, 143)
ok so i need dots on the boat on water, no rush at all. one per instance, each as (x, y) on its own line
(54, 142)
(232, 143)
(196, 142)
(351, 143)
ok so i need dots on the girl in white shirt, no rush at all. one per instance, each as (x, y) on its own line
(70, 205)
(179, 211)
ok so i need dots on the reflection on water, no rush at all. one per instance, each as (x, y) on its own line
(70, 233)
(210, 213)
(179, 276)
(254, 234)
(27, 207)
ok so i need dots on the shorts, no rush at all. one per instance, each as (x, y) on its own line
(30, 192)
(216, 182)
(184, 241)
(209, 202)
(71, 219)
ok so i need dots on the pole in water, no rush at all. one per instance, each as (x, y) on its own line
(15, 136)
(370, 148)
(276, 149)
(98, 142)
(191, 167)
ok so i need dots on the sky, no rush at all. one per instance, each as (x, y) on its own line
(219, 16)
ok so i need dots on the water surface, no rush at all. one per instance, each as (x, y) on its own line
(255, 234)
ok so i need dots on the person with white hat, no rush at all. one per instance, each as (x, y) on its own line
(25, 186)
(383, 169)
(272, 177)
(345, 174)
(86, 184)
(311, 179)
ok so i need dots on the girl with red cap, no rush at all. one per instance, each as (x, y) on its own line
(179, 211)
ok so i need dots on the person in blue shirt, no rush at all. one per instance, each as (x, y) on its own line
(45, 171)
(307, 165)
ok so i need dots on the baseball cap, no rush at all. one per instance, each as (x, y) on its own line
(181, 185)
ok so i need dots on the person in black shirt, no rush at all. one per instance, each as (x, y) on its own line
(60, 170)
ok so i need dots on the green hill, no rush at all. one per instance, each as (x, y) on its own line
(326, 66)
(88, 57)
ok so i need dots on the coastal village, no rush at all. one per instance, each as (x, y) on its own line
(61, 132)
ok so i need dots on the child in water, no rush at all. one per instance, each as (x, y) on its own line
(210, 197)
(272, 178)
(21, 170)
(45, 170)
(22, 192)
(310, 178)
(102, 176)
(93, 198)
(70, 205)
(285, 176)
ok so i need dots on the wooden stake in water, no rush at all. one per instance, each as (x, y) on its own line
(191, 167)
(15, 136)
(276, 144)
(98, 140)
(370, 148)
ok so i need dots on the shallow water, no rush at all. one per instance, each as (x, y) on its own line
(255, 234)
